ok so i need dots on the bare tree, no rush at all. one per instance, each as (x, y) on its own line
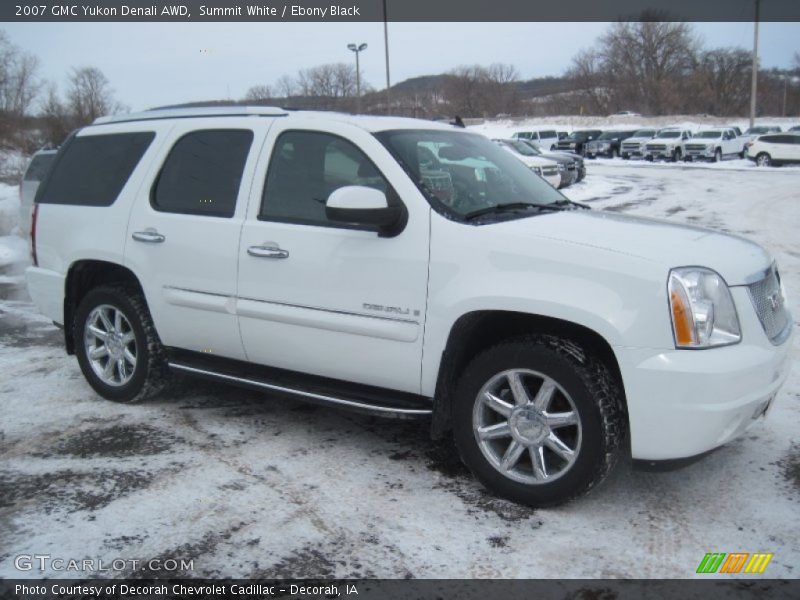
(19, 85)
(286, 86)
(90, 95)
(259, 93)
(722, 78)
(57, 122)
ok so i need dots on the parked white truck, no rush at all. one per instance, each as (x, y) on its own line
(667, 144)
(306, 254)
(714, 145)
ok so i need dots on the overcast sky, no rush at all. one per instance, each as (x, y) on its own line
(151, 64)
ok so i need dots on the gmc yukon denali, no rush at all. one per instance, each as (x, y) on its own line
(403, 268)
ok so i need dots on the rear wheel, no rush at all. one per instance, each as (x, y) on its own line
(117, 347)
(763, 159)
(538, 421)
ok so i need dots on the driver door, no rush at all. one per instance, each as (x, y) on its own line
(327, 298)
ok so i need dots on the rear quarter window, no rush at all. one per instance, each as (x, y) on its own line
(91, 170)
(39, 167)
(776, 139)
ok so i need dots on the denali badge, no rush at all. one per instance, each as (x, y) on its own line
(395, 310)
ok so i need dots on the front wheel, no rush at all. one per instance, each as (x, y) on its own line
(676, 155)
(717, 155)
(117, 346)
(538, 421)
(763, 159)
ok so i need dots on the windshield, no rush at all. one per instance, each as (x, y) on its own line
(520, 147)
(709, 135)
(609, 135)
(669, 134)
(579, 135)
(758, 130)
(645, 133)
(465, 172)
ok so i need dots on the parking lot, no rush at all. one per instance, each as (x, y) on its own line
(248, 485)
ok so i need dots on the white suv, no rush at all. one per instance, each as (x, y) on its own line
(404, 268)
(775, 149)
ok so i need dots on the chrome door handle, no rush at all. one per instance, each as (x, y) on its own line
(148, 235)
(268, 250)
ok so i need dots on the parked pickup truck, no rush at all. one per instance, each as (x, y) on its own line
(608, 144)
(713, 144)
(633, 147)
(305, 254)
(577, 140)
(667, 145)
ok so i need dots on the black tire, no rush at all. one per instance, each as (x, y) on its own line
(677, 155)
(596, 399)
(614, 153)
(151, 373)
(763, 159)
(717, 155)
(625, 157)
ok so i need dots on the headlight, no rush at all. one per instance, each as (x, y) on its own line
(537, 170)
(703, 313)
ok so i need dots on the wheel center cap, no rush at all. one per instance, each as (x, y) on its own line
(114, 344)
(528, 425)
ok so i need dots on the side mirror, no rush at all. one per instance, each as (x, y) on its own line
(365, 206)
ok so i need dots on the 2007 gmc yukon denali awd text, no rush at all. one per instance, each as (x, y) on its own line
(404, 268)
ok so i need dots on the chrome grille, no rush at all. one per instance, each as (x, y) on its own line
(695, 146)
(656, 147)
(770, 305)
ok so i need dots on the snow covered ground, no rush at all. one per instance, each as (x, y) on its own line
(254, 486)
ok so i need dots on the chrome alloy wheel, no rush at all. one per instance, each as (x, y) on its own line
(110, 345)
(527, 426)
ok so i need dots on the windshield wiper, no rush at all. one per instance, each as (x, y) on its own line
(498, 208)
(566, 202)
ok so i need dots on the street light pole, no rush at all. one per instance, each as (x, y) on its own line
(357, 49)
(754, 81)
(386, 47)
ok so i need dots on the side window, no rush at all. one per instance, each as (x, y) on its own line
(202, 173)
(305, 168)
(91, 170)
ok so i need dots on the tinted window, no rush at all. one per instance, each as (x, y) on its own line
(548, 134)
(91, 170)
(202, 173)
(777, 139)
(40, 165)
(305, 168)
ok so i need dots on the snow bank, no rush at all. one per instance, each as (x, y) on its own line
(9, 208)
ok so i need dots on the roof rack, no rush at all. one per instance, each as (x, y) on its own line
(185, 113)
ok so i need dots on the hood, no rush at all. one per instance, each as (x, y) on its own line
(661, 242)
(667, 140)
(558, 157)
(636, 139)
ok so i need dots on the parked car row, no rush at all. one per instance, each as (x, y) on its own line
(671, 143)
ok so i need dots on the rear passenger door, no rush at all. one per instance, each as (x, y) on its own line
(183, 233)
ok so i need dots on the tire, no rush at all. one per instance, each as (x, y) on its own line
(763, 159)
(717, 155)
(614, 153)
(625, 157)
(677, 155)
(134, 336)
(580, 385)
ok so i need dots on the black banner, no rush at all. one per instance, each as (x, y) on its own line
(398, 10)
(417, 589)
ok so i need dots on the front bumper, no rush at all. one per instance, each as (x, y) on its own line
(698, 154)
(682, 403)
(665, 154)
